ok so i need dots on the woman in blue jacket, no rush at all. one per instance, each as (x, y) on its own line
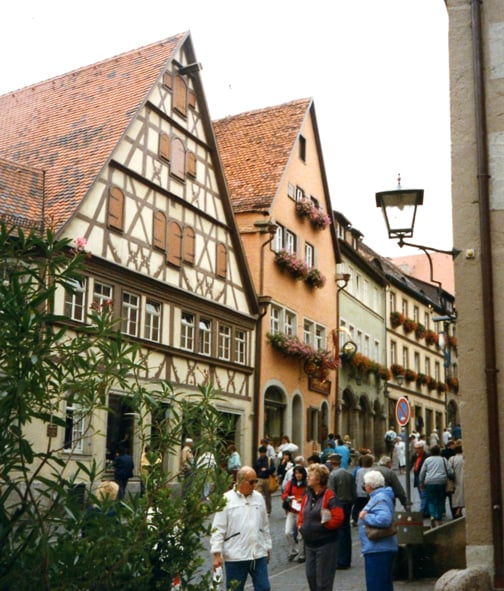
(379, 512)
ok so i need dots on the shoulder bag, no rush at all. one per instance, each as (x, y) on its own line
(377, 533)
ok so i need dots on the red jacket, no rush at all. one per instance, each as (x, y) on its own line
(314, 532)
(293, 489)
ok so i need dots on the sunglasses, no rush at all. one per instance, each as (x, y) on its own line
(252, 481)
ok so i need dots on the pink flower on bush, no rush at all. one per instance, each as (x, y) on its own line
(80, 243)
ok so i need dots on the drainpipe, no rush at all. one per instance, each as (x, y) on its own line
(488, 297)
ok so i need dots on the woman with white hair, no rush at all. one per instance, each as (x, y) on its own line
(378, 513)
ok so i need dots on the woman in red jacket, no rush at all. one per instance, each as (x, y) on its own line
(292, 497)
(319, 519)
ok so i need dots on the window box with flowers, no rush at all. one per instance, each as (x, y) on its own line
(452, 343)
(291, 346)
(397, 370)
(361, 363)
(420, 331)
(409, 325)
(431, 337)
(421, 380)
(410, 375)
(441, 387)
(384, 373)
(314, 278)
(453, 384)
(305, 208)
(291, 263)
(396, 319)
(431, 383)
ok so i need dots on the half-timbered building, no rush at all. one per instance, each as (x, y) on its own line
(126, 158)
(275, 172)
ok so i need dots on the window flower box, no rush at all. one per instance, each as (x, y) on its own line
(410, 375)
(292, 346)
(314, 278)
(305, 208)
(431, 337)
(421, 379)
(291, 263)
(420, 331)
(409, 325)
(396, 319)
(453, 384)
(441, 387)
(397, 370)
(431, 383)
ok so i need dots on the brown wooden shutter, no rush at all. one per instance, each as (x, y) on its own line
(180, 96)
(191, 163)
(221, 263)
(164, 146)
(167, 80)
(192, 98)
(189, 245)
(174, 254)
(159, 230)
(115, 218)
(177, 167)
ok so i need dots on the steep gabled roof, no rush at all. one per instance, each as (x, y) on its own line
(255, 148)
(68, 126)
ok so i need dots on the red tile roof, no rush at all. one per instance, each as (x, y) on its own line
(255, 148)
(68, 126)
(21, 194)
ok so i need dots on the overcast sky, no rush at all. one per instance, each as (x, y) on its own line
(376, 69)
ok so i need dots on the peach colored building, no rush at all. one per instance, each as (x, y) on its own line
(275, 173)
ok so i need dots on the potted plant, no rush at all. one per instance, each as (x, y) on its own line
(409, 325)
(290, 262)
(304, 208)
(397, 370)
(420, 331)
(421, 379)
(431, 337)
(431, 383)
(453, 384)
(396, 319)
(314, 278)
(441, 387)
(410, 375)
(319, 219)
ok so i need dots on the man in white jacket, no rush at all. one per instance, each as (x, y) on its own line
(241, 540)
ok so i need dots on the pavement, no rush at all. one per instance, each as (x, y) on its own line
(291, 575)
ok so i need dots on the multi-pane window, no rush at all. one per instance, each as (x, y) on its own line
(275, 313)
(427, 366)
(240, 346)
(187, 332)
(75, 301)
(102, 294)
(437, 371)
(278, 242)
(224, 348)
(130, 313)
(416, 314)
(205, 336)
(309, 256)
(152, 321)
(417, 362)
(392, 300)
(405, 357)
(393, 352)
(290, 242)
(320, 337)
(405, 308)
(426, 320)
(74, 429)
(308, 332)
(289, 323)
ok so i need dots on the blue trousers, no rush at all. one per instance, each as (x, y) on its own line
(378, 568)
(239, 570)
(436, 498)
(321, 566)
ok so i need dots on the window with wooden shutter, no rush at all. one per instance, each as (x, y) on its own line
(177, 167)
(221, 263)
(180, 96)
(159, 230)
(174, 254)
(189, 245)
(191, 99)
(115, 217)
(191, 164)
(164, 146)
(167, 80)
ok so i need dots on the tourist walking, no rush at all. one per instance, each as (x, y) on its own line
(292, 497)
(341, 483)
(457, 464)
(433, 476)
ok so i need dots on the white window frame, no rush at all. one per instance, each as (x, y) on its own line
(102, 293)
(309, 255)
(320, 337)
(290, 242)
(75, 423)
(277, 243)
(152, 328)
(130, 313)
(275, 319)
(205, 336)
(308, 331)
(224, 346)
(289, 323)
(187, 331)
(76, 300)
(240, 339)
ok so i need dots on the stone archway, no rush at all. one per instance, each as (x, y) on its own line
(366, 427)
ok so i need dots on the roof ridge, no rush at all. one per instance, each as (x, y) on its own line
(257, 111)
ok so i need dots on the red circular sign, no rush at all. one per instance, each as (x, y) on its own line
(403, 411)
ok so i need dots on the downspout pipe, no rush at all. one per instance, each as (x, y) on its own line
(487, 290)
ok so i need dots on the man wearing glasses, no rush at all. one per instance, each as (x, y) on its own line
(241, 540)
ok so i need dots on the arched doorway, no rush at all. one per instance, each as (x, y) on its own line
(297, 422)
(274, 414)
(366, 430)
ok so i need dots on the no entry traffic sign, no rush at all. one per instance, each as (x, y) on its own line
(403, 411)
